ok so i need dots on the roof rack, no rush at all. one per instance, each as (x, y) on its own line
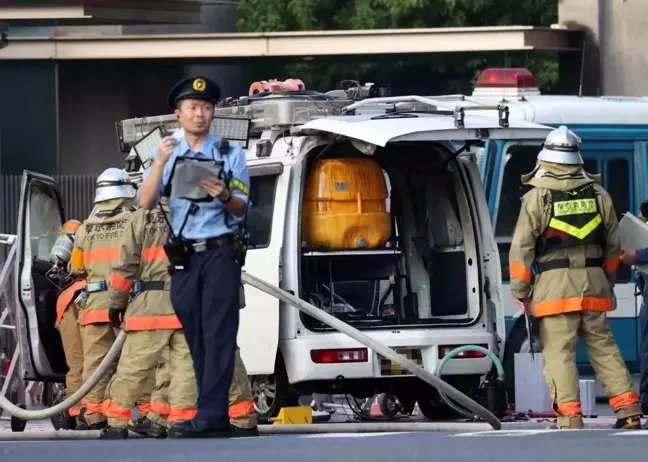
(237, 119)
(435, 102)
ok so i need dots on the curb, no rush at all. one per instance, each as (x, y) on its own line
(373, 427)
(370, 427)
(61, 435)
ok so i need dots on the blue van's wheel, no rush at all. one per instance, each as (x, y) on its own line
(517, 342)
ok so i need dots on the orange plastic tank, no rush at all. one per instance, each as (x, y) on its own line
(345, 205)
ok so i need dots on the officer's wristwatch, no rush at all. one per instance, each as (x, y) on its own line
(227, 199)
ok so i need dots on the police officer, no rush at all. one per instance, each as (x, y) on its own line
(640, 257)
(67, 314)
(205, 285)
(563, 262)
(96, 249)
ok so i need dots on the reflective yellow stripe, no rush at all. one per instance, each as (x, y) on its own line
(574, 207)
(581, 233)
(234, 183)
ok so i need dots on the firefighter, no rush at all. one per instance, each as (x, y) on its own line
(151, 323)
(241, 405)
(96, 249)
(67, 314)
(563, 261)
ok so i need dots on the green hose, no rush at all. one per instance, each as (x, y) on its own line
(455, 352)
(461, 349)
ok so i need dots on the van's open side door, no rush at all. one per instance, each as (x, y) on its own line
(258, 336)
(40, 217)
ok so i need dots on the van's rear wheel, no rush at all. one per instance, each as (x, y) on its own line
(518, 342)
(272, 392)
(435, 409)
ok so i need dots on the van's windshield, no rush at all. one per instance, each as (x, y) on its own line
(408, 208)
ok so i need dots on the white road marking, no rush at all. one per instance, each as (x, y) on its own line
(631, 433)
(352, 435)
(527, 432)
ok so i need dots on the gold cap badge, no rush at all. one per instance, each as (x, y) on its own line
(199, 85)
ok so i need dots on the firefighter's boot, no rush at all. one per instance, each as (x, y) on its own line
(573, 422)
(146, 427)
(98, 425)
(113, 433)
(628, 423)
(81, 423)
(238, 432)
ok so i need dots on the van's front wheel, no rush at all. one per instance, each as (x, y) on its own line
(272, 392)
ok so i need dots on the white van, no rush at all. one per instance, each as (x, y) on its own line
(433, 283)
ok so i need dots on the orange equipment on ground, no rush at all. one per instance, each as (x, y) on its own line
(345, 205)
(274, 85)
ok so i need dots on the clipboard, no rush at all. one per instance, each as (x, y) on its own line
(186, 174)
(146, 147)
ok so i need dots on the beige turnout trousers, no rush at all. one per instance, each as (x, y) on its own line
(558, 335)
(140, 357)
(241, 404)
(73, 348)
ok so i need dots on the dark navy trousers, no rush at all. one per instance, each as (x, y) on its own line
(643, 351)
(205, 296)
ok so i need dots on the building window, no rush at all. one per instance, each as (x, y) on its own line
(259, 216)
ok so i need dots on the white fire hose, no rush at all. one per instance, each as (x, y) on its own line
(309, 309)
(77, 396)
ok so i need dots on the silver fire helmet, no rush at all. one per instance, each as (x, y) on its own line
(114, 183)
(562, 146)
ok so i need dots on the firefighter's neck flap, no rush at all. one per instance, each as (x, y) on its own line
(559, 177)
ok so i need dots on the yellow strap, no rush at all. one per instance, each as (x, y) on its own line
(574, 207)
(238, 184)
(581, 233)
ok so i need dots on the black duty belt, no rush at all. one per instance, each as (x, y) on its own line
(541, 267)
(141, 286)
(202, 245)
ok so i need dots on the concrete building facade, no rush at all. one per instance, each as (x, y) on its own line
(615, 58)
(58, 116)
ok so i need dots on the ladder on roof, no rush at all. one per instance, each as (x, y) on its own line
(235, 123)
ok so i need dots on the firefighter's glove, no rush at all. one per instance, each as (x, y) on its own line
(523, 305)
(116, 316)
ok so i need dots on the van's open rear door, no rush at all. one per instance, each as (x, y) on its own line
(258, 335)
(40, 217)
(380, 130)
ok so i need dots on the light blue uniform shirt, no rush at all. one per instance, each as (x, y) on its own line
(210, 218)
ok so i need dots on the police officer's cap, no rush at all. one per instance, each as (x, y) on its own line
(194, 88)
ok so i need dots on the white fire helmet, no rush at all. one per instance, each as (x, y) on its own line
(562, 146)
(114, 183)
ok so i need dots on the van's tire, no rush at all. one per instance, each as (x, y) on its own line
(272, 392)
(389, 405)
(433, 408)
(517, 342)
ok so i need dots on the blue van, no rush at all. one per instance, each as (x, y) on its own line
(614, 133)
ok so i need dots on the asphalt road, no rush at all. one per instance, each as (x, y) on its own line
(528, 445)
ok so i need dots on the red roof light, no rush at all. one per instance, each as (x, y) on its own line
(506, 78)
